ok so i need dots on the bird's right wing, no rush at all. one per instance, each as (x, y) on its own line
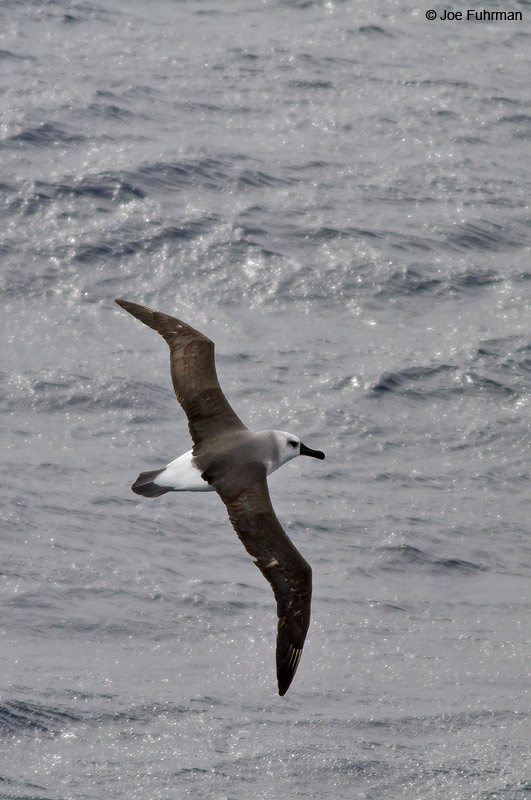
(193, 374)
(290, 576)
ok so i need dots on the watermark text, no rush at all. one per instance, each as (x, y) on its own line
(473, 15)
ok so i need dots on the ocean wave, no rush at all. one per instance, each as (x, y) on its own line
(39, 195)
(24, 715)
(510, 356)
(108, 111)
(402, 557)
(44, 135)
(122, 244)
(426, 382)
(259, 178)
(520, 124)
(327, 233)
(486, 235)
(422, 280)
(310, 84)
(407, 282)
(8, 55)
(216, 173)
(374, 30)
(210, 173)
(50, 392)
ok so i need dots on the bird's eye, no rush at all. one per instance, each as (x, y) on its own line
(292, 443)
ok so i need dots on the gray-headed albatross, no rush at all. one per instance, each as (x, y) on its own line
(232, 460)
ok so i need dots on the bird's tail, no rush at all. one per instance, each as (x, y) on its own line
(145, 484)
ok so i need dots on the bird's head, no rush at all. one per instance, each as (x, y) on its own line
(290, 446)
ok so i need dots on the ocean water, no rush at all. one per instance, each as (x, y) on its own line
(337, 193)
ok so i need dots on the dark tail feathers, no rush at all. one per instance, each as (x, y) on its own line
(145, 485)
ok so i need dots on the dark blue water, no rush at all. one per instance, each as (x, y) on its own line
(337, 193)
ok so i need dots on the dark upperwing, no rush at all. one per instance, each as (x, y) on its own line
(290, 576)
(193, 374)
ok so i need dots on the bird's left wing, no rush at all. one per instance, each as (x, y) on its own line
(290, 576)
(193, 373)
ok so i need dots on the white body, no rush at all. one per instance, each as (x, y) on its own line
(182, 475)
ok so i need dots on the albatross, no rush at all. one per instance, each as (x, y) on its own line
(233, 461)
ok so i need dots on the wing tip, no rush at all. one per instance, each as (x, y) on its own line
(162, 323)
(128, 305)
(132, 308)
(284, 682)
(287, 669)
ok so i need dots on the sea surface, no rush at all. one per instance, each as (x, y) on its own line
(338, 194)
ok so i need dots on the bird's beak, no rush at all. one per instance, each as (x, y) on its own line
(305, 451)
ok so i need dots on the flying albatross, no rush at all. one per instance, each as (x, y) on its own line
(232, 460)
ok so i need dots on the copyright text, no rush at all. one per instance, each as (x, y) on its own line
(475, 16)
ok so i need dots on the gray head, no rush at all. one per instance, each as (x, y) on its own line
(288, 446)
